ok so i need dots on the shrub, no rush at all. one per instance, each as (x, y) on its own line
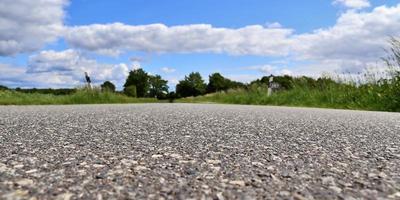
(108, 86)
(130, 91)
(3, 88)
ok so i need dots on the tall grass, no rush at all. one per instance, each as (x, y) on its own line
(82, 96)
(377, 95)
(376, 88)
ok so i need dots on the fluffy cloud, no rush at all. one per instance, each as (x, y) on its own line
(353, 4)
(358, 38)
(67, 61)
(355, 36)
(26, 25)
(269, 69)
(249, 40)
(168, 70)
(244, 78)
(265, 69)
(62, 69)
(16, 76)
(73, 63)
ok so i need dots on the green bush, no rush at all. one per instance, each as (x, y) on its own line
(108, 86)
(140, 79)
(130, 91)
(383, 95)
(3, 88)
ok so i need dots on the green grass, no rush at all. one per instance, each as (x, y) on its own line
(383, 96)
(80, 97)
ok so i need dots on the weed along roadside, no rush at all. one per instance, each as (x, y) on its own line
(81, 96)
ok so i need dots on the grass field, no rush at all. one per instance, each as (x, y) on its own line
(383, 95)
(82, 96)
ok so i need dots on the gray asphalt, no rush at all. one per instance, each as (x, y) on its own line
(183, 151)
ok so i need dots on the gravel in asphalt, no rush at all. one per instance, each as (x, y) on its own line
(188, 151)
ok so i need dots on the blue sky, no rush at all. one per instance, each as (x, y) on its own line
(242, 39)
(222, 13)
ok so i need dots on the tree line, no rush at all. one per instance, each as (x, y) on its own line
(140, 84)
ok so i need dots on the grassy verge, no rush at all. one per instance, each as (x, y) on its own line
(79, 97)
(383, 96)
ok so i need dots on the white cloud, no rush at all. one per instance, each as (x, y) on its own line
(265, 69)
(73, 64)
(269, 69)
(353, 4)
(244, 78)
(52, 61)
(16, 76)
(136, 65)
(173, 81)
(168, 70)
(355, 36)
(26, 25)
(285, 72)
(249, 40)
(358, 38)
(120, 72)
(274, 25)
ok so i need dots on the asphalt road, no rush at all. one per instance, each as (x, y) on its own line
(183, 151)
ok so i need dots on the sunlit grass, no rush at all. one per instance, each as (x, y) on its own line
(375, 94)
(82, 96)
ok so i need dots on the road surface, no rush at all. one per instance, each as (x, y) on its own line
(183, 151)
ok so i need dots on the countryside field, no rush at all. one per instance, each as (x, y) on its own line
(306, 92)
(78, 97)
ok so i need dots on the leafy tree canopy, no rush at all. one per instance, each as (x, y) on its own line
(108, 86)
(192, 85)
(140, 79)
(3, 87)
(158, 87)
(219, 83)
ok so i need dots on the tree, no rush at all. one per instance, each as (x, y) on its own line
(3, 88)
(140, 79)
(108, 86)
(192, 85)
(130, 91)
(158, 87)
(235, 84)
(171, 97)
(217, 83)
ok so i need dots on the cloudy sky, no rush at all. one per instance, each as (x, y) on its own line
(51, 43)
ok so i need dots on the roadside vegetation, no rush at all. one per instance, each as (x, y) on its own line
(374, 89)
(80, 96)
(308, 92)
(139, 88)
